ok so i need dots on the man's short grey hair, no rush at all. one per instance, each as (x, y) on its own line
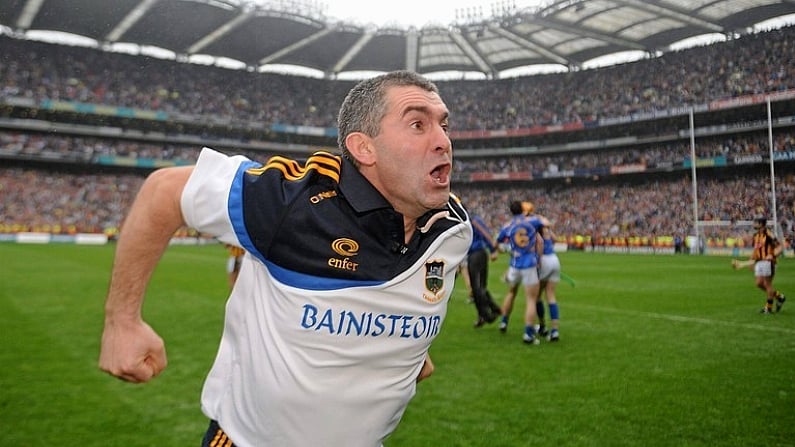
(365, 105)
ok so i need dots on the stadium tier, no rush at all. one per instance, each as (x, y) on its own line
(607, 154)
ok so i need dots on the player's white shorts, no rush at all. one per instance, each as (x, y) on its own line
(528, 276)
(549, 269)
(763, 268)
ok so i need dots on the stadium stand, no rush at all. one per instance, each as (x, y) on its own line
(605, 153)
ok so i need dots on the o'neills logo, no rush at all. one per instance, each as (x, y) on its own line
(322, 196)
(434, 281)
(347, 248)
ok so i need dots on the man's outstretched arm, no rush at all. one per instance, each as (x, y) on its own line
(131, 350)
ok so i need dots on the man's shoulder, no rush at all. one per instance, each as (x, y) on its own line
(320, 163)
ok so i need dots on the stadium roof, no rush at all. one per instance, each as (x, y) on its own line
(567, 33)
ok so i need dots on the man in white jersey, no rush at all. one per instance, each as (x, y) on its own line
(349, 263)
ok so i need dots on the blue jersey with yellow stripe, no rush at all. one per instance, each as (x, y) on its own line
(520, 233)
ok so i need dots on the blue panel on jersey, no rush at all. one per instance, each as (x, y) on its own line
(310, 282)
(235, 208)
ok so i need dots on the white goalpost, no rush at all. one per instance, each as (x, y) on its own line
(697, 241)
(774, 211)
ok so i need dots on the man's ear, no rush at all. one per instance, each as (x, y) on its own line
(361, 148)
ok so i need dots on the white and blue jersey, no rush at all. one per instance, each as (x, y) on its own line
(331, 318)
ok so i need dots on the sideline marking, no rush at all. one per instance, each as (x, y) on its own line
(684, 319)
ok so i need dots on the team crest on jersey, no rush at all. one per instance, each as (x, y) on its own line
(434, 281)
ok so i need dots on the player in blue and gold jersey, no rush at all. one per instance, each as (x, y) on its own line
(525, 247)
(548, 275)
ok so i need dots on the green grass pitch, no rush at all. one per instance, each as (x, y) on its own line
(654, 351)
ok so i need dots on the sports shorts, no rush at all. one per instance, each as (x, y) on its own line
(549, 268)
(763, 268)
(528, 276)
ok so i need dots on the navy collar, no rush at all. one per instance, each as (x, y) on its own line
(358, 191)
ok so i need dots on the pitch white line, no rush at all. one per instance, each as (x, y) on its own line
(680, 318)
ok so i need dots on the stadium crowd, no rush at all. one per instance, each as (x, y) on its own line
(605, 211)
(39, 145)
(615, 213)
(757, 63)
(601, 211)
(64, 203)
(737, 145)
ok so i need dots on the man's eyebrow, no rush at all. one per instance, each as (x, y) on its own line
(424, 110)
(413, 108)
